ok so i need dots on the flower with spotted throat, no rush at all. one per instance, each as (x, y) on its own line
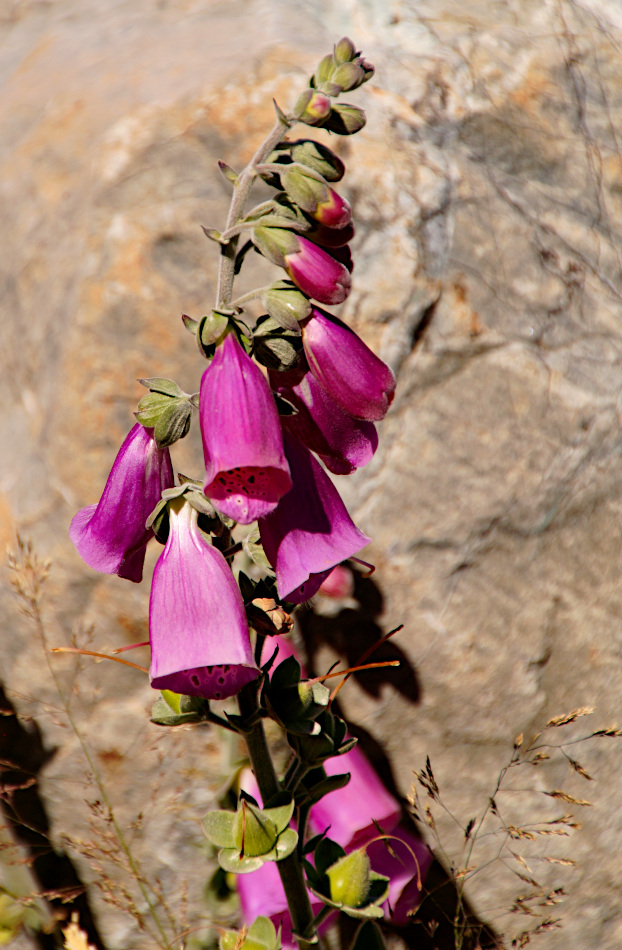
(200, 644)
(246, 472)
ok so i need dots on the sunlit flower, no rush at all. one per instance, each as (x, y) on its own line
(111, 536)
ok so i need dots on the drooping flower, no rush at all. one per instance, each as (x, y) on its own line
(200, 645)
(310, 531)
(358, 381)
(111, 536)
(246, 472)
(341, 441)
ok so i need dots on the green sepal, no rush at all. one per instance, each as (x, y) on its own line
(212, 328)
(254, 832)
(275, 243)
(275, 346)
(247, 587)
(286, 304)
(292, 702)
(349, 879)
(232, 861)
(214, 235)
(261, 935)
(331, 783)
(228, 172)
(345, 119)
(344, 51)
(173, 709)
(324, 70)
(218, 828)
(192, 492)
(331, 740)
(173, 423)
(304, 186)
(189, 323)
(319, 158)
(150, 408)
(159, 384)
(253, 547)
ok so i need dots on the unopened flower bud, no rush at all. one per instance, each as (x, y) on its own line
(319, 158)
(348, 76)
(306, 188)
(284, 302)
(345, 119)
(312, 107)
(325, 70)
(317, 273)
(349, 879)
(275, 243)
(345, 51)
(254, 834)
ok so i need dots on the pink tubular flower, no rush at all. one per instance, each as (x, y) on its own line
(317, 273)
(339, 583)
(111, 536)
(310, 531)
(358, 381)
(246, 472)
(341, 441)
(200, 645)
(349, 813)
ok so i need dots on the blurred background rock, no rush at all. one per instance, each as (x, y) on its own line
(487, 195)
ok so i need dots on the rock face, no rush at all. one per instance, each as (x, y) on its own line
(487, 195)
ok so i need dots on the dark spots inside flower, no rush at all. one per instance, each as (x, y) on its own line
(226, 668)
(195, 679)
(246, 481)
(221, 680)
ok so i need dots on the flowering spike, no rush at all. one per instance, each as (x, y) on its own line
(111, 536)
(200, 644)
(246, 472)
(310, 531)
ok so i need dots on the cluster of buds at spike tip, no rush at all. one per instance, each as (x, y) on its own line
(342, 70)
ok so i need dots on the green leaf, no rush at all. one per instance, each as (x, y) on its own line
(159, 384)
(330, 784)
(218, 828)
(286, 844)
(163, 715)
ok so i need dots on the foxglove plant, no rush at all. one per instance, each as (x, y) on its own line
(296, 384)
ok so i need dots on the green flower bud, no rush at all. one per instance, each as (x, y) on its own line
(345, 119)
(253, 833)
(285, 303)
(345, 51)
(349, 879)
(275, 243)
(349, 76)
(325, 70)
(319, 158)
(312, 107)
(304, 189)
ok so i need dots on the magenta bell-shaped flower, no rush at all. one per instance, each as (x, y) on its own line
(111, 536)
(341, 441)
(318, 274)
(200, 645)
(246, 472)
(351, 811)
(310, 531)
(359, 382)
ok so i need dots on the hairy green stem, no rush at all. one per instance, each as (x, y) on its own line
(290, 869)
(241, 191)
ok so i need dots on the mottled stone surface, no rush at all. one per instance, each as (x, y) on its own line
(487, 192)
